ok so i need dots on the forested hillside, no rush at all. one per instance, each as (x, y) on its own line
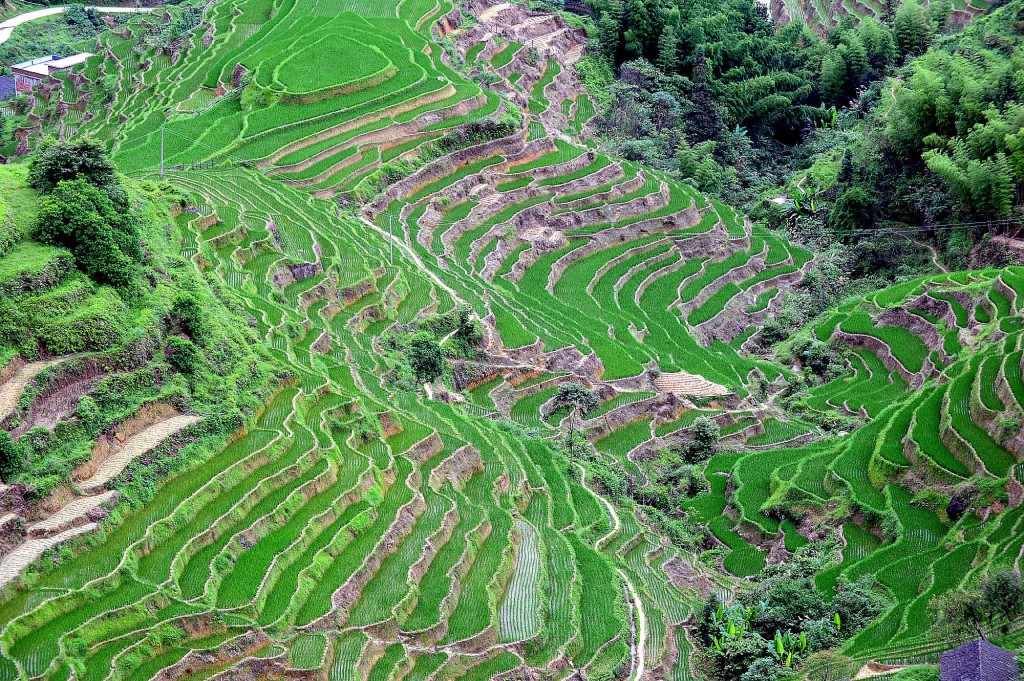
(380, 340)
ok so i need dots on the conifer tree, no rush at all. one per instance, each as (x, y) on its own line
(668, 50)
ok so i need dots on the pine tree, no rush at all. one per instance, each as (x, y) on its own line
(703, 116)
(668, 50)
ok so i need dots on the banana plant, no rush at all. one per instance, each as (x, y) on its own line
(826, 117)
(788, 646)
(732, 623)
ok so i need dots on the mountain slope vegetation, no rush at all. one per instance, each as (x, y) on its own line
(427, 382)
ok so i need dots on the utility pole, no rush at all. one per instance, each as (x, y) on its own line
(391, 235)
(161, 151)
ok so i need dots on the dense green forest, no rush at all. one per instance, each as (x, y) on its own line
(908, 122)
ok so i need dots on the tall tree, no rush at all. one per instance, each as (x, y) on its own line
(104, 240)
(84, 158)
(642, 28)
(703, 116)
(668, 50)
(609, 35)
(578, 400)
(833, 76)
(913, 28)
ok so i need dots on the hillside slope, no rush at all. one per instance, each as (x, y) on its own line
(357, 526)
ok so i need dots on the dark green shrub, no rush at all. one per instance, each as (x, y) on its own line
(183, 355)
(188, 314)
(82, 159)
(12, 456)
(104, 240)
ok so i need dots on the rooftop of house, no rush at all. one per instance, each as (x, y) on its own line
(978, 660)
(43, 66)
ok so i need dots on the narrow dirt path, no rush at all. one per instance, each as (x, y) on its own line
(641, 630)
(11, 391)
(873, 669)
(413, 255)
(21, 557)
(134, 448)
(611, 510)
(935, 257)
(66, 516)
(7, 27)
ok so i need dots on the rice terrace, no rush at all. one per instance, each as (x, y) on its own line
(383, 340)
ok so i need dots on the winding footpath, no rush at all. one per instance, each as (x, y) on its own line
(611, 510)
(10, 391)
(7, 27)
(640, 660)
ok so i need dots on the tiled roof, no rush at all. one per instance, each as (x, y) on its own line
(978, 660)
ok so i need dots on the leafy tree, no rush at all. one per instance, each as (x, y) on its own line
(104, 241)
(820, 358)
(764, 669)
(851, 212)
(960, 614)
(468, 331)
(858, 602)
(704, 436)
(425, 357)
(697, 165)
(84, 158)
(12, 456)
(1003, 596)
(578, 400)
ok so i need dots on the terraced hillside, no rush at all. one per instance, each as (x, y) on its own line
(354, 527)
(357, 528)
(820, 15)
(928, 494)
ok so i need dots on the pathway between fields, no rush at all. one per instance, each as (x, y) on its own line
(10, 392)
(27, 553)
(135, 447)
(641, 630)
(7, 27)
(616, 523)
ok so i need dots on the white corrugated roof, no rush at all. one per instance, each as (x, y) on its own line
(68, 62)
(44, 65)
